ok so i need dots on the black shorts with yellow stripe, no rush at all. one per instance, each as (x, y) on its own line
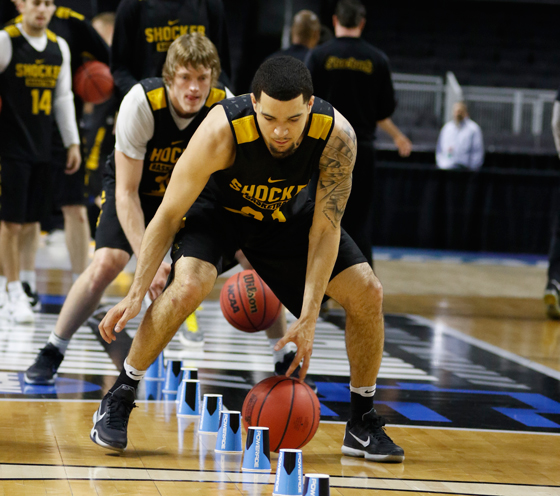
(109, 232)
(276, 250)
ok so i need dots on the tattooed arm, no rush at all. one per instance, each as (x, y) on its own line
(333, 190)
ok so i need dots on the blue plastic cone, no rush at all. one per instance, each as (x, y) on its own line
(189, 399)
(257, 450)
(289, 473)
(229, 434)
(316, 485)
(212, 405)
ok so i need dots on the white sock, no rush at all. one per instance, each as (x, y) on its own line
(74, 277)
(3, 282)
(15, 290)
(278, 356)
(363, 391)
(30, 277)
(61, 344)
(134, 374)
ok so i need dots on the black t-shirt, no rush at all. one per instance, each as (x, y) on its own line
(258, 185)
(355, 78)
(144, 30)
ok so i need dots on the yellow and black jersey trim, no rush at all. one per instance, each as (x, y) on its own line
(51, 36)
(245, 129)
(66, 13)
(12, 31)
(157, 98)
(320, 126)
(215, 95)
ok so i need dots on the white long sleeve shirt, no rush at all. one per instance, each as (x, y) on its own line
(63, 104)
(556, 124)
(460, 144)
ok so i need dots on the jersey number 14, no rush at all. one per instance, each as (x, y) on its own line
(41, 102)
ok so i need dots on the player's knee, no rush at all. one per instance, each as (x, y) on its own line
(102, 271)
(12, 228)
(365, 295)
(77, 213)
(189, 292)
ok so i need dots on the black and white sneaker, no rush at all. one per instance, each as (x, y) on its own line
(552, 299)
(368, 439)
(280, 368)
(110, 421)
(32, 296)
(45, 367)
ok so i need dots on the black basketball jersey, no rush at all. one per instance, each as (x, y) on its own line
(168, 142)
(27, 89)
(258, 185)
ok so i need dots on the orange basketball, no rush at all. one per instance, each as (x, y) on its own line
(93, 82)
(247, 303)
(289, 408)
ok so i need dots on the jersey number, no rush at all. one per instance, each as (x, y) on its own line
(41, 102)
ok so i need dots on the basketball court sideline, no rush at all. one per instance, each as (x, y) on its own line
(469, 385)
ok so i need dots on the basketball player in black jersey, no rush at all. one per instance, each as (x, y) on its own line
(144, 30)
(35, 85)
(257, 154)
(85, 44)
(156, 121)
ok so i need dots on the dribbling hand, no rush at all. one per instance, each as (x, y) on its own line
(116, 318)
(301, 333)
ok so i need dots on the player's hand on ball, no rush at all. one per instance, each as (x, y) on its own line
(302, 333)
(160, 279)
(116, 318)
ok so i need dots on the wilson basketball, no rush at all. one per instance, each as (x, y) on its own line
(93, 82)
(247, 303)
(289, 408)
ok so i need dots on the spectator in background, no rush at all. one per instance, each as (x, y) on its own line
(355, 77)
(460, 142)
(145, 30)
(305, 34)
(552, 291)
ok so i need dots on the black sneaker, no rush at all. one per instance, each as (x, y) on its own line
(33, 297)
(280, 368)
(43, 370)
(367, 438)
(552, 299)
(111, 420)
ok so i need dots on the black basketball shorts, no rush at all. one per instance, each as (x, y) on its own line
(109, 233)
(276, 250)
(25, 190)
(69, 189)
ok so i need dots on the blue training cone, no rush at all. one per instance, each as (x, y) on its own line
(189, 399)
(229, 434)
(187, 373)
(316, 485)
(172, 377)
(155, 370)
(212, 405)
(154, 389)
(289, 473)
(257, 450)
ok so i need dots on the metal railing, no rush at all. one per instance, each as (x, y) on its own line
(510, 118)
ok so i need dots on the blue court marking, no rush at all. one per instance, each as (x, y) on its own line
(530, 417)
(52, 299)
(62, 385)
(391, 253)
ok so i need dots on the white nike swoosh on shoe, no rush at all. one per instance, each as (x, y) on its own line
(99, 418)
(365, 444)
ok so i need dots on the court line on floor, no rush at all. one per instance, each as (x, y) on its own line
(68, 472)
(543, 369)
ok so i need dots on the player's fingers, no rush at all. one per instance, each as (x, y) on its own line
(304, 366)
(106, 327)
(280, 344)
(295, 362)
(122, 322)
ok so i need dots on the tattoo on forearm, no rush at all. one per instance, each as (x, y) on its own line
(335, 181)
